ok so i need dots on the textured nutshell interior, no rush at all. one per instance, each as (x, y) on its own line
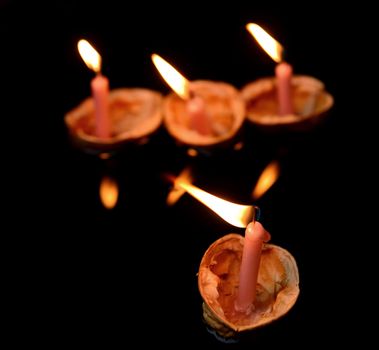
(218, 280)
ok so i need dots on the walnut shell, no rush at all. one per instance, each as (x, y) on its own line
(310, 102)
(224, 106)
(218, 278)
(135, 113)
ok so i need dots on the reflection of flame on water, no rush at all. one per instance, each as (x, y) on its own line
(104, 155)
(108, 192)
(238, 146)
(268, 177)
(235, 214)
(192, 152)
(177, 191)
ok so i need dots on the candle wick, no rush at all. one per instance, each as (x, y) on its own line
(256, 213)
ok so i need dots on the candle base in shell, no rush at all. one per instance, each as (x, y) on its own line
(218, 279)
(310, 103)
(134, 113)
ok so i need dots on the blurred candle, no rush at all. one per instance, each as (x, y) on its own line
(255, 235)
(283, 70)
(199, 119)
(99, 88)
(195, 106)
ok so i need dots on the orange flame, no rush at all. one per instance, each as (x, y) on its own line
(235, 214)
(268, 177)
(173, 78)
(108, 192)
(89, 55)
(177, 191)
(266, 41)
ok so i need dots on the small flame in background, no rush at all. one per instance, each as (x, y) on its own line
(173, 78)
(89, 55)
(108, 192)
(177, 191)
(267, 178)
(235, 214)
(266, 41)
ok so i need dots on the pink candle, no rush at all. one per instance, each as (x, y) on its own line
(199, 119)
(100, 93)
(283, 72)
(99, 87)
(255, 235)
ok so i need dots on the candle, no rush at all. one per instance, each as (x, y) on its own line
(199, 119)
(100, 93)
(99, 88)
(240, 216)
(283, 70)
(255, 235)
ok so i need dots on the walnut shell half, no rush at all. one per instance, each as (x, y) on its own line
(310, 103)
(135, 113)
(218, 279)
(223, 105)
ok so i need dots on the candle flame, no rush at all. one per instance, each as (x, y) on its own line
(89, 55)
(235, 214)
(108, 192)
(173, 78)
(268, 177)
(177, 191)
(266, 41)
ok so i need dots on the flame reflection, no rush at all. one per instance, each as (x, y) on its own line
(267, 178)
(108, 192)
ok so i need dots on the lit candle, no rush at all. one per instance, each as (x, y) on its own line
(195, 106)
(99, 87)
(240, 216)
(255, 235)
(283, 70)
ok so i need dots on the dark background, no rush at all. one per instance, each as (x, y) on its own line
(97, 276)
